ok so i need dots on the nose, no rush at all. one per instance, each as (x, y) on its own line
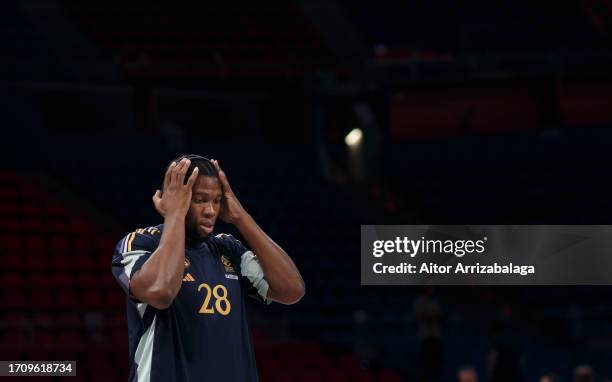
(209, 209)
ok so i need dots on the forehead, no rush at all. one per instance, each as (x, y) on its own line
(207, 185)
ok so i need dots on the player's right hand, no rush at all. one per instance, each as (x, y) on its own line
(176, 198)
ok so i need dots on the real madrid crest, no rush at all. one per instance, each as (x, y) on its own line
(227, 264)
(187, 262)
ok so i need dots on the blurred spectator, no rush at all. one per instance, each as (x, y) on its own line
(584, 373)
(94, 323)
(549, 377)
(429, 315)
(505, 362)
(365, 350)
(467, 374)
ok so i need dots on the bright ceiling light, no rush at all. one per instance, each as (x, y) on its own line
(354, 137)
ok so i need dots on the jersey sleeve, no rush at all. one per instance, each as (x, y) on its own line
(130, 254)
(252, 276)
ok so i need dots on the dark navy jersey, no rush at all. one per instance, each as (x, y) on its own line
(204, 335)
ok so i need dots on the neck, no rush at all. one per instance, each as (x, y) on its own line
(193, 238)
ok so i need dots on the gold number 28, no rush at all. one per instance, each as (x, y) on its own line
(222, 304)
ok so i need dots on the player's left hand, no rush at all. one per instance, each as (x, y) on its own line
(231, 210)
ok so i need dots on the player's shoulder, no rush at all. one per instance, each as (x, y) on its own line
(230, 249)
(226, 239)
(230, 243)
(140, 239)
(223, 237)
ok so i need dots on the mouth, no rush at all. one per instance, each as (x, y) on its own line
(206, 227)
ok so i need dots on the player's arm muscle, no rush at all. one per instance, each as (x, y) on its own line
(285, 284)
(159, 279)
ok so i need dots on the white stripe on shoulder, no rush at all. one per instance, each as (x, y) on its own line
(124, 243)
(129, 259)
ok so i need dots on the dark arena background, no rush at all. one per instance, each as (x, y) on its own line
(326, 115)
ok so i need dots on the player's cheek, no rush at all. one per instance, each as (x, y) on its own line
(217, 209)
(192, 217)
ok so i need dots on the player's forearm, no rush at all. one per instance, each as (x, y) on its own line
(281, 274)
(164, 269)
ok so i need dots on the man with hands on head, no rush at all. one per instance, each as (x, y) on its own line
(186, 286)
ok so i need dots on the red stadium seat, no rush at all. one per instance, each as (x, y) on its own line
(32, 211)
(43, 338)
(8, 176)
(12, 317)
(58, 244)
(12, 340)
(388, 376)
(85, 262)
(55, 209)
(80, 242)
(33, 243)
(91, 299)
(69, 319)
(119, 338)
(114, 299)
(66, 298)
(42, 298)
(10, 209)
(87, 280)
(61, 279)
(10, 226)
(61, 262)
(15, 299)
(34, 227)
(38, 280)
(12, 281)
(117, 317)
(80, 226)
(11, 244)
(35, 261)
(69, 339)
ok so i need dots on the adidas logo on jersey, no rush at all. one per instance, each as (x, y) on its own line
(188, 277)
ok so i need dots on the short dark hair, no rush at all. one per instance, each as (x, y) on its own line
(204, 165)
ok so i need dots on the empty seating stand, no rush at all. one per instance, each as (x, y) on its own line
(59, 297)
(194, 40)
